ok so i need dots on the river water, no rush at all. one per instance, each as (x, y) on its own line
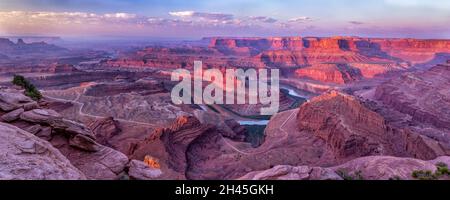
(259, 122)
(291, 92)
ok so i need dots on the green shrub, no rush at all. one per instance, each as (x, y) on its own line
(349, 177)
(441, 164)
(30, 90)
(442, 170)
(19, 80)
(424, 175)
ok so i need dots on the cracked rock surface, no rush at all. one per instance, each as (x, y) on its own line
(26, 157)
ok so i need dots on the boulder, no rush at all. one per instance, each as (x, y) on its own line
(383, 168)
(45, 133)
(41, 116)
(442, 159)
(83, 142)
(26, 157)
(104, 164)
(33, 129)
(71, 128)
(140, 171)
(13, 115)
(365, 168)
(31, 106)
(12, 100)
(104, 129)
(319, 173)
(285, 172)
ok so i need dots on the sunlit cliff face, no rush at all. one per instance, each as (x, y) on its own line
(152, 162)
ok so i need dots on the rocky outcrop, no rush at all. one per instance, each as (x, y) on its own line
(330, 73)
(11, 100)
(215, 157)
(185, 148)
(105, 129)
(229, 128)
(328, 131)
(8, 47)
(285, 172)
(104, 163)
(421, 101)
(62, 68)
(366, 168)
(344, 59)
(74, 140)
(79, 135)
(13, 115)
(41, 116)
(424, 96)
(178, 137)
(138, 170)
(78, 144)
(345, 73)
(337, 49)
(352, 130)
(384, 168)
(25, 156)
(175, 140)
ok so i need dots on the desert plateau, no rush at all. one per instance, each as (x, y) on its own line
(362, 105)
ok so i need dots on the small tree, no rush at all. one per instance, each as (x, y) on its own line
(30, 89)
(19, 80)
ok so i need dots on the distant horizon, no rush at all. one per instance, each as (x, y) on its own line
(136, 38)
(422, 19)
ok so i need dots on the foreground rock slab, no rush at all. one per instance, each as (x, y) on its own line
(26, 157)
(140, 171)
(365, 168)
(12, 100)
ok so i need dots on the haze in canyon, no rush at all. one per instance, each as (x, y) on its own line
(85, 92)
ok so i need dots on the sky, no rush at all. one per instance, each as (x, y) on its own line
(238, 18)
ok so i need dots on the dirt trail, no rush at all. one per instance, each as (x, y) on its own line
(81, 105)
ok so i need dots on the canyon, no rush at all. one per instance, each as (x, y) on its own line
(350, 108)
(336, 60)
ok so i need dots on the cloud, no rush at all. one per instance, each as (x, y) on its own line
(182, 13)
(300, 19)
(73, 23)
(37, 19)
(264, 19)
(203, 15)
(205, 19)
(120, 15)
(25, 17)
(356, 22)
(192, 24)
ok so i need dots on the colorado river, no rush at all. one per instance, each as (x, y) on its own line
(260, 122)
(250, 122)
(294, 93)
